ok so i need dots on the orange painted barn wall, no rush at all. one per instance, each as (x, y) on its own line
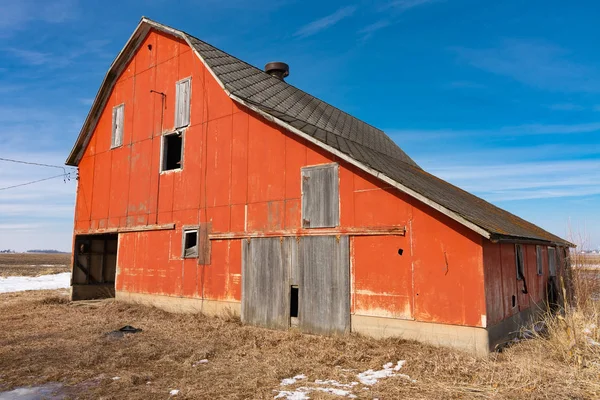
(242, 173)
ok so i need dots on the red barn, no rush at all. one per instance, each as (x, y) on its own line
(206, 184)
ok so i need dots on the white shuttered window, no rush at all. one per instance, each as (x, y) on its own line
(182, 103)
(118, 118)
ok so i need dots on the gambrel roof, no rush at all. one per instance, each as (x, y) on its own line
(326, 126)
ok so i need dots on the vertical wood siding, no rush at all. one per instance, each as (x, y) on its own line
(324, 290)
(265, 282)
(182, 103)
(320, 196)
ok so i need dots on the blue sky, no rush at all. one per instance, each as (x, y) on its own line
(499, 98)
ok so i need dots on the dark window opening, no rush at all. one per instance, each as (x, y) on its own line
(172, 150)
(400, 251)
(294, 302)
(190, 244)
(539, 260)
(551, 261)
(519, 262)
(514, 301)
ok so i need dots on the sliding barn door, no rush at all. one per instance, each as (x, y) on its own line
(324, 284)
(311, 273)
(265, 282)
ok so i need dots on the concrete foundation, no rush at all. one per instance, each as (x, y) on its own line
(470, 339)
(181, 304)
(474, 340)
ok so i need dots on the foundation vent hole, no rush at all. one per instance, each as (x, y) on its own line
(514, 300)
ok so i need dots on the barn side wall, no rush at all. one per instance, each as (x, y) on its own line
(242, 174)
(508, 307)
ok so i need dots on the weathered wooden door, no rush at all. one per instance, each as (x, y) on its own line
(265, 282)
(318, 266)
(324, 284)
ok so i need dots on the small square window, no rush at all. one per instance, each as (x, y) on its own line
(519, 261)
(172, 150)
(190, 243)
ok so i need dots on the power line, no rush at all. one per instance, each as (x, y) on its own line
(34, 163)
(65, 176)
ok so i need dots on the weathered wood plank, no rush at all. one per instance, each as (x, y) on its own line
(204, 245)
(265, 282)
(324, 290)
(182, 103)
(352, 231)
(320, 196)
(140, 228)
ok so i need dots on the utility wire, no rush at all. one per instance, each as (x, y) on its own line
(65, 176)
(34, 163)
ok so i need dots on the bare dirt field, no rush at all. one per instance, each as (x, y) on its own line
(44, 338)
(34, 264)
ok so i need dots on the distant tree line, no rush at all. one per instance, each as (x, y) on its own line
(44, 251)
(7, 251)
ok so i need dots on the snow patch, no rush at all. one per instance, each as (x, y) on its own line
(44, 282)
(298, 394)
(174, 392)
(336, 383)
(291, 381)
(205, 361)
(370, 377)
(367, 378)
(302, 393)
(592, 342)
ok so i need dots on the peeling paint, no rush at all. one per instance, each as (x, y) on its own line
(234, 159)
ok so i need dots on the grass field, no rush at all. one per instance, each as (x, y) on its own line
(33, 264)
(47, 339)
(589, 260)
(44, 338)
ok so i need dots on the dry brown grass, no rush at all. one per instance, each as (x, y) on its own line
(33, 264)
(44, 338)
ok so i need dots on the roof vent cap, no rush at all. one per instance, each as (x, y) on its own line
(277, 69)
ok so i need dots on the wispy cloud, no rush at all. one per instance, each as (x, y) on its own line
(326, 22)
(370, 29)
(566, 107)
(36, 58)
(404, 5)
(31, 57)
(534, 63)
(531, 180)
(87, 101)
(465, 85)
(517, 130)
(395, 8)
(16, 15)
(46, 206)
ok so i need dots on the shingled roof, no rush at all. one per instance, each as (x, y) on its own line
(332, 129)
